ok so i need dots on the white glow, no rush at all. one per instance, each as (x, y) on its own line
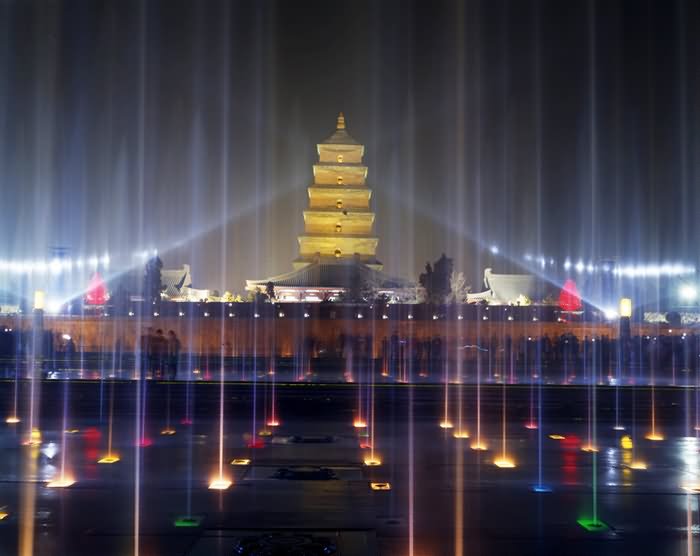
(610, 313)
(494, 249)
(688, 292)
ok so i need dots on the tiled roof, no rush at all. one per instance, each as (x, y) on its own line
(339, 274)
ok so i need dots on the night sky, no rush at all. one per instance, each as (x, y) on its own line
(562, 128)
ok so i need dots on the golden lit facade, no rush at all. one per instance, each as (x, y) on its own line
(338, 223)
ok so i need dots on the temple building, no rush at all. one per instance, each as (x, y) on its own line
(338, 246)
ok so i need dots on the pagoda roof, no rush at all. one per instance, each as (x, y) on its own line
(340, 274)
(341, 135)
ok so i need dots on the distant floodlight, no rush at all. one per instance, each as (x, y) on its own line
(53, 306)
(494, 249)
(66, 337)
(94, 262)
(625, 307)
(688, 292)
(580, 266)
(610, 313)
(39, 300)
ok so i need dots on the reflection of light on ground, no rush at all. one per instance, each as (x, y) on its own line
(220, 484)
(380, 486)
(240, 461)
(461, 434)
(655, 437)
(61, 482)
(109, 458)
(504, 462)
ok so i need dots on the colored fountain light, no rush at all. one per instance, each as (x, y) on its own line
(187, 521)
(638, 465)
(34, 438)
(655, 437)
(109, 458)
(220, 483)
(557, 437)
(592, 525)
(446, 424)
(372, 461)
(61, 482)
(461, 434)
(380, 486)
(541, 489)
(504, 462)
(12, 420)
(240, 461)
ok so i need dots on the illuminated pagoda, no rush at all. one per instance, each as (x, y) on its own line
(338, 246)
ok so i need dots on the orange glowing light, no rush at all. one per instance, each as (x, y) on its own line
(34, 438)
(380, 486)
(638, 465)
(264, 433)
(504, 462)
(109, 458)
(12, 420)
(461, 434)
(655, 437)
(61, 482)
(446, 425)
(373, 461)
(589, 448)
(273, 423)
(359, 424)
(167, 432)
(479, 446)
(71, 431)
(240, 461)
(221, 483)
(557, 437)
(695, 489)
(3, 515)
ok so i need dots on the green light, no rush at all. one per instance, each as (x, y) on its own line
(592, 525)
(188, 521)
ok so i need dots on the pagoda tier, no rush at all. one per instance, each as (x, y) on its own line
(339, 198)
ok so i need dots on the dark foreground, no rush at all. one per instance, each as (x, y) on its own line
(445, 498)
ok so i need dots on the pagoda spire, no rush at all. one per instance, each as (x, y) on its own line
(341, 121)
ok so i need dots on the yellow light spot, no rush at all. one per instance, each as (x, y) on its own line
(264, 433)
(638, 465)
(380, 486)
(34, 438)
(626, 442)
(504, 462)
(655, 437)
(446, 425)
(479, 446)
(373, 462)
(3, 515)
(273, 423)
(72, 431)
(240, 461)
(12, 420)
(167, 432)
(109, 458)
(693, 488)
(461, 434)
(220, 484)
(64, 482)
(589, 448)
(557, 437)
(359, 424)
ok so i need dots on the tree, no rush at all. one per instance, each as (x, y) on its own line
(458, 288)
(152, 285)
(436, 280)
(270, 291)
